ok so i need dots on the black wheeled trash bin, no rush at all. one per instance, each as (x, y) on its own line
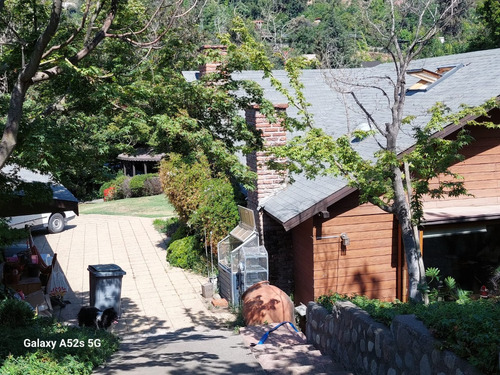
(106, 286)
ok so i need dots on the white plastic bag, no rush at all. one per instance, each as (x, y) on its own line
(57, 286)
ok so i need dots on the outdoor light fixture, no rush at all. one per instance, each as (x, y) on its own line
(345, 239)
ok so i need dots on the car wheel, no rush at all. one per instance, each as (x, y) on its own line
(56, 223)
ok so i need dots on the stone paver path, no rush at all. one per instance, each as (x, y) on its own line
(166, 326)
(155, 296)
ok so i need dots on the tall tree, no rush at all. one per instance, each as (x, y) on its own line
(489, 14)
(53, 40)
(384, 179)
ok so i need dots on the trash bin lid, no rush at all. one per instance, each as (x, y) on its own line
(106, 270)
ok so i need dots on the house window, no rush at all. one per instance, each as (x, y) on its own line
(428, 79)
(469, 253)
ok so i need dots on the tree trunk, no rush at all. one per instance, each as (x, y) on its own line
(416, 271)
(24, 81)
(9, 138)
(30, 74)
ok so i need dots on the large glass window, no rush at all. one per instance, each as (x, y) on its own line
(469, 253)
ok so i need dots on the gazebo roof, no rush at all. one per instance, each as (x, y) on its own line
(142, 154)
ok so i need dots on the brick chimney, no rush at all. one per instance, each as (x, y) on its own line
(268, 181)
(272, 235)
(211, 67)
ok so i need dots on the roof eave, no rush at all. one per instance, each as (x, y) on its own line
(452, 128)
(316, 208)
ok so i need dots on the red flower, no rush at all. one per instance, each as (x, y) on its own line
(109, 193)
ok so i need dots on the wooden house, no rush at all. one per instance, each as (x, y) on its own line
(321, 240)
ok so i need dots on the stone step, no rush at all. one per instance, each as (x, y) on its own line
(290, 361)
(303, 353)
(306, 370)
(286, 352)
(284, 335)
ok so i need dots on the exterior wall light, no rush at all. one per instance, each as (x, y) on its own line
(345, 239)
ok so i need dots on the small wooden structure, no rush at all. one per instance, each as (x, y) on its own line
(143, 161)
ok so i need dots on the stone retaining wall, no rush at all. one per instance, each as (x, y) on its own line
(363, 346)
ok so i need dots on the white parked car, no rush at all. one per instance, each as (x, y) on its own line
(53, 222)
(53, 215)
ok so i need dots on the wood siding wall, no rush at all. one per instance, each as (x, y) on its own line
(368, 265)
(373, 264)
(480, 169)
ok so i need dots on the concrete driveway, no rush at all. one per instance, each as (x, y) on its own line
(163, 312)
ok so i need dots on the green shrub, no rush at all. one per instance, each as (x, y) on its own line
(207, 203)
(152, 185)
(469, 329)
(185, 253)
(182, 178)
(217, 212)
(15, 313)
(92, 349)
(118, 191)
(138, 186)
(145, 184)
(42, 363)
(106, 186)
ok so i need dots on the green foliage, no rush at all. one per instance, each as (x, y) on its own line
(217, 212)
(15, 313)
(488, 12)
(42, 363)
(126, 187)
(446, 289)
(176, 230)
(185, 253)
(75, 124)
(116, 184)
(183, 179)
(143, 185)
(381, 311)
(9, 236)
(93, 348)
(206, 206)
(205, 203)
(470, 329)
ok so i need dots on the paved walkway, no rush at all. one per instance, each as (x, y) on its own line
(166, 325)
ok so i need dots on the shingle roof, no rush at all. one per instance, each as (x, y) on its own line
(473, 83)
(142, 154)
(475, 80)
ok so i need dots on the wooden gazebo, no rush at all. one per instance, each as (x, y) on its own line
(143, 161)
